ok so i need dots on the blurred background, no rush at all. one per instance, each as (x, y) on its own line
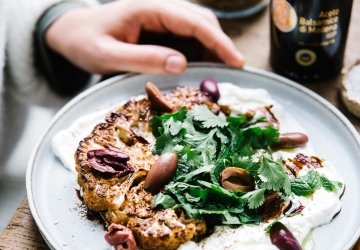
(23, 122)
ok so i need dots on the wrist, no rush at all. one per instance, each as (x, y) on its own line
(62, 76)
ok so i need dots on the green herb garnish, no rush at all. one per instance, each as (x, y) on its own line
(309, 183)
(206, 144)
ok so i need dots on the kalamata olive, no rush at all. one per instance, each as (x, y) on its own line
(209, 87)
(237, 179)
(270, 197)
(282, 238)
(157, 98)
(120, 237)
(294, 206)
(109, 161)
(291, 140)
(161, 172)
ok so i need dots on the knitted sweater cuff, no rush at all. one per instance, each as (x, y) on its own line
(62, 76)
(22, 77)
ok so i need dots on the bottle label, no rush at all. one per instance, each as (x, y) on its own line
(284, 15)
(325, 25)
(308, 37)
(305, 57)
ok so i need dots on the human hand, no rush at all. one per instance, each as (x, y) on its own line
(103, 39)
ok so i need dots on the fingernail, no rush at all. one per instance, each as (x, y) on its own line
(241, 59)
(175, 64)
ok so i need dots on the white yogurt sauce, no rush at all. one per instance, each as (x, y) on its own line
(319, 208)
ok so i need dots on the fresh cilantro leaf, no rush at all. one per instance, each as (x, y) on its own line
(236, 121)
(188, 160)
(157, 121)
(273, 175)
(261, 138)
(223, 138)
(201, 141)
(209, 120)
(237, 142)
(255, 198)
(188, 125)
(221, 163)
(246, 163)
(163, 141)
(209, 156)
(192, 156)
(174, 126)
(170, 137)
(287, 186)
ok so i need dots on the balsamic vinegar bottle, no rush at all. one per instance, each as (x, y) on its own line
(308, 37)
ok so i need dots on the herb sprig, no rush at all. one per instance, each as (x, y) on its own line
(206, 144)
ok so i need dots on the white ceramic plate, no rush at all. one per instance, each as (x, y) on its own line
(55, 206)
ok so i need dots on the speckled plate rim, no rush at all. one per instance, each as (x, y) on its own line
(29, 174)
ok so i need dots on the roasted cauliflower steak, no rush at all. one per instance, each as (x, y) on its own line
(112, 164)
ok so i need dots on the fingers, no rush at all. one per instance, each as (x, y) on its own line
(197, 10)
(188, 22)
(102, 40)
(115, 56)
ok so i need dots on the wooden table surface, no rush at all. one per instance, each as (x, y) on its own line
(251, 37)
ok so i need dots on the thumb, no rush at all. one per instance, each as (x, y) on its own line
(150, 59)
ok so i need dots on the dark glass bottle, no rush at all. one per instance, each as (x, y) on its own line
(308, 37)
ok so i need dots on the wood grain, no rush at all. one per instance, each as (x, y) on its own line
(251, 37)
(22, 232)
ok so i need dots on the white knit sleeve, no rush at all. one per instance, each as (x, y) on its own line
(22, 16)
(2, 41)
